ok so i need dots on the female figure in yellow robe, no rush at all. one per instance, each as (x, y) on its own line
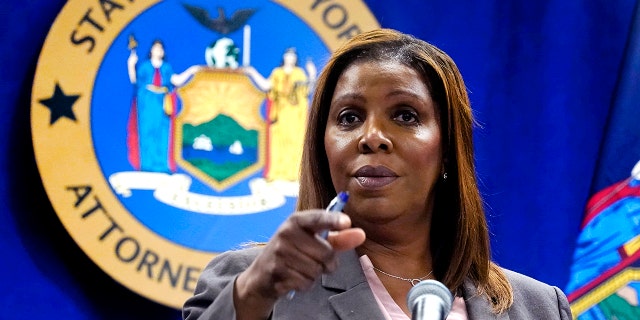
(287, 90)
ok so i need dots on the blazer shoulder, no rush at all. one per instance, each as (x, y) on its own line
(519, 280)
(213, 294)
(537, 297)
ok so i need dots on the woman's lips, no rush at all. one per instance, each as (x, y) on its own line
(375, 177)
(375, 182)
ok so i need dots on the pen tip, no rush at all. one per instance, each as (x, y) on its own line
(344, 196)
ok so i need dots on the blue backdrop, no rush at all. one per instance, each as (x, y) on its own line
(541, 75)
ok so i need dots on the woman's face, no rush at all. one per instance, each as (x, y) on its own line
(383, 142)
(157, 50)
(290, 58)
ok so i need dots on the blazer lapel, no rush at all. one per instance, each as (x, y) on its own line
(478, 307)
(356, 301)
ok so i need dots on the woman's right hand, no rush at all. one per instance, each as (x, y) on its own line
(293, 259)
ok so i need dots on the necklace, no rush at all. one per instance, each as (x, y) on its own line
(412, 281)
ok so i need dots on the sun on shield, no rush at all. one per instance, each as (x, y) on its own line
(220, 133)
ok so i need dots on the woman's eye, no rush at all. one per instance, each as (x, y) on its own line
(407, 116)
(347, 118)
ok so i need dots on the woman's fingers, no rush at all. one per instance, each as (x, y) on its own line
(346, 239)
(316, 221)
(296, 255)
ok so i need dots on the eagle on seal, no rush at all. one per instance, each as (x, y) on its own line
(221, 24)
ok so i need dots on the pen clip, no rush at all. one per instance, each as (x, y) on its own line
(336, 205)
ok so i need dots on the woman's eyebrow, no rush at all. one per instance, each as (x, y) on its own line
(350, 96)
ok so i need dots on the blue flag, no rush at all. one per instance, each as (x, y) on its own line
(605, 274)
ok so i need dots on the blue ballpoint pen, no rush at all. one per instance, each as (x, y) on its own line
(336, 205)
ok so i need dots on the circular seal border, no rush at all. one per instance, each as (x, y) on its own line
(79, 193)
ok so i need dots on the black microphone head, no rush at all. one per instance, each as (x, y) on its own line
(433, 288)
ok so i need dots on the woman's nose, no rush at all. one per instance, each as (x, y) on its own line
(374, 137)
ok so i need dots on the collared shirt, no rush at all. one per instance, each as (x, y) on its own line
(388, 306)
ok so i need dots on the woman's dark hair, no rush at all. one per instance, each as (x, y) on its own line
(459, 234)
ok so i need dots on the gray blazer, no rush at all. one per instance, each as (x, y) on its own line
(345, 294)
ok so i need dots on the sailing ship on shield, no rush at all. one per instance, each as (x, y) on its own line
(221, 123)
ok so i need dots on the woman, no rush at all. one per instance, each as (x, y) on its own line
(288, 104)
(150, 124)
(390, 124)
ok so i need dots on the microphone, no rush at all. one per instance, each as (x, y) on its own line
(429, 300)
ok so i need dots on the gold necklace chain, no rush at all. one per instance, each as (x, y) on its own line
(412, 281)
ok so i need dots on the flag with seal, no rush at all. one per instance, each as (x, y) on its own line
(605, 274)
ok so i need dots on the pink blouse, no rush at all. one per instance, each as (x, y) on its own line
(389, 308)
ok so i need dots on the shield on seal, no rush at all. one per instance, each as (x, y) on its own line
(220, 132)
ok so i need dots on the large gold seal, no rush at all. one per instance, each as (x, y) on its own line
(164, 131)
